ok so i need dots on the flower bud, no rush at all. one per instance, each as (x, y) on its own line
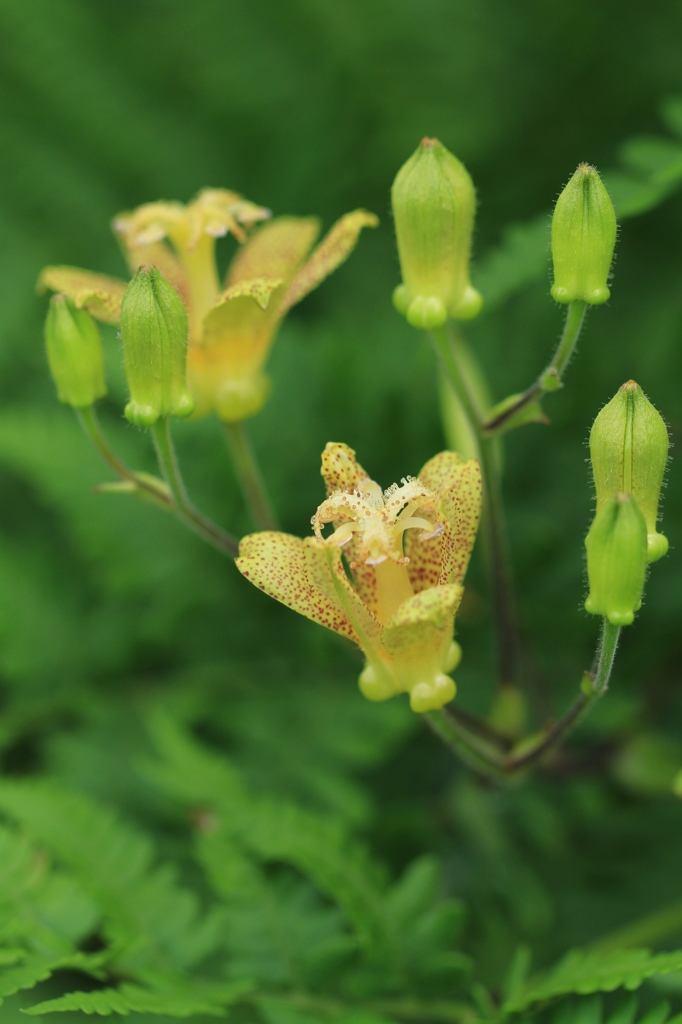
(616, 560)
(629, 451)
(434, 202)
(583, 239)
(154, 336)
(74, 353)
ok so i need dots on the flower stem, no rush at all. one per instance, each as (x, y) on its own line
(550, 378)
(493, 524)
(91, 425)
(183, 508)
(250, 477)
(491, 759)
(594, 686)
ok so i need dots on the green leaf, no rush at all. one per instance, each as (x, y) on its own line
(149, 919)
(316, 845)
(129, 998)
(585, 972)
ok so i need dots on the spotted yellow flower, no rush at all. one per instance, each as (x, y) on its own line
(232, 324)
(406, 551)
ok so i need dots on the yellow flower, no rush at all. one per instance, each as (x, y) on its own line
(231, 325)
(406, 549)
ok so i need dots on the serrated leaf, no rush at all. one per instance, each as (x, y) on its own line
(584, 972)
(145, 910)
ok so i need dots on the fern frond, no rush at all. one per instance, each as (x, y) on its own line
(317, 846)
(130, 998)
(585, 972)
(150, 921)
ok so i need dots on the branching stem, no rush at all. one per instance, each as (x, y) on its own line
(183, 508)
(550, 378)
(492, 759)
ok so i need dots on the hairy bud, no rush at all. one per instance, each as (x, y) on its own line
(434, 203)
(629, 451)
(74, 353)
(616, 560)
(154, 336)
(583, 239)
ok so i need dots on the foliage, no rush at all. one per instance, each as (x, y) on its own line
(199, 816)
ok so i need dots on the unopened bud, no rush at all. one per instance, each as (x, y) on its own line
(583, 239)
(434, 203)
(154, 336)
(74, 353)
(616, 560)
(629, 451)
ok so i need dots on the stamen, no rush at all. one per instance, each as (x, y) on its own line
(415, 522)
(343, 534)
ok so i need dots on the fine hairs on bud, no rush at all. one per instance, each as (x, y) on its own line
(584, 233)
(434, 203)
(154, 336)
(74, 353)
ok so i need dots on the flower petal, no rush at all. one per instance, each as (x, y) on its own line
(442, 471)
(327, 574)
(425, 566)
(259, 289)
(238, 330)
(280, 565)
(308, 577)
(423, 624)
(444, 558)
(160, 255)
(100, 295)
(333, 250)
(340, 469)
(461, 506)
(276, 250)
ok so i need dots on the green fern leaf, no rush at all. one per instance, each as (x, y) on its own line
(317, 846)
(146, 913)
(584, 972)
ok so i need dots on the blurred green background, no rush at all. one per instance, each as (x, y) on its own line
(107, 607)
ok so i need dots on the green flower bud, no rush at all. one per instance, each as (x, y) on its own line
(154, 336)
(74, 353)
(616, 560)
(629, 451)
(583, 239)
(434, 202)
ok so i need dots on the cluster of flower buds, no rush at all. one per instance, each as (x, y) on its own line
(629, 451)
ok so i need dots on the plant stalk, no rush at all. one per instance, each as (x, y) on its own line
(183, 508)
(493, 524)
(249, 476)
(550, 378)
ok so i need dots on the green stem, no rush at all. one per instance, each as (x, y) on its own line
(493, 524)
(550, 378)
(575, 317)
(184, 509)
(477, 754)
(594, 686)
(488, 756)
(91, 425)
(250, 477)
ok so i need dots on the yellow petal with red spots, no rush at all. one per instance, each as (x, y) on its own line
(460, 503)
(280, 565)
(333, 250)
(418, 638)
(99, 294)
(340, 469)
(275, 250)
